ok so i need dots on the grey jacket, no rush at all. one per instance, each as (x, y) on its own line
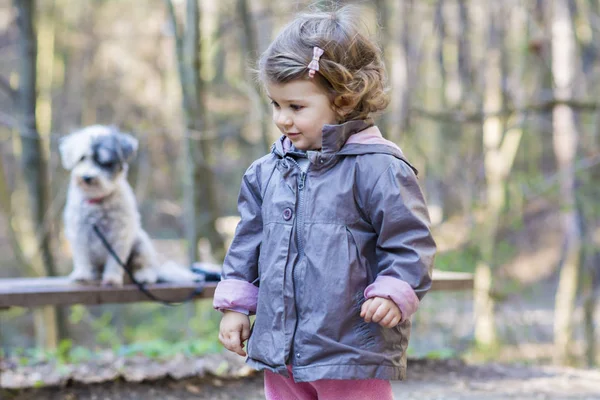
(311, 246)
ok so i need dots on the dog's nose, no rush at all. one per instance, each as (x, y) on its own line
(88, 179)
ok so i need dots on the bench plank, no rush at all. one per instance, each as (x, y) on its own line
(35, 292)
(448, 281)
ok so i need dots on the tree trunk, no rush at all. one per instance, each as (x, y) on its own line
(587, 12)
(45, 62)
(34, 165)
(590, 278)
(565, 141)
(250, 46)
(200, 195)
(470, 100)
(435, 129)
(485, 323)
(401, 61)
(13, 236)
(500, 149)
(409, 61)
(389, 12)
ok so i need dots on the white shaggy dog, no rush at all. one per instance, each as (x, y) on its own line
(100, 195)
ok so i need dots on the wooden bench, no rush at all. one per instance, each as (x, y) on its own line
(36, 292)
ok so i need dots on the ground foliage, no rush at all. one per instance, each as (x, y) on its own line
(427, 380)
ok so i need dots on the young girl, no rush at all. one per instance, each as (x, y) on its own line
(333, 250)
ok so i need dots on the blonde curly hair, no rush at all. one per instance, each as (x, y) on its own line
(351, 69)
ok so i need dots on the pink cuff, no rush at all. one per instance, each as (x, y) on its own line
(239, 309)
(236, 295)
(396, 290)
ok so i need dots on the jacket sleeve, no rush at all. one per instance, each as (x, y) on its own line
(237, 291)
(405, 247)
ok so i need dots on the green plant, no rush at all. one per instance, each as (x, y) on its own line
(63, 352)
(460, 260)
(441, 354)
(106, 332)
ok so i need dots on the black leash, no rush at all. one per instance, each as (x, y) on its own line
(142, 286)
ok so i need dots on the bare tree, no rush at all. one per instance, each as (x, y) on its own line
(565, 140)
(500, 147)
(399, 42)
(470, 98)
(201, 207)
(587, 14)
(250, 46)
(35, 170)
(435, 97)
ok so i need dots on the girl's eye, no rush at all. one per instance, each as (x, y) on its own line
(274, 104)
(296, 107)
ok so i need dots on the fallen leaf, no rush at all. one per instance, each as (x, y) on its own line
(193, 389)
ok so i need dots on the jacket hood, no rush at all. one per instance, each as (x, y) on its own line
(348, 139)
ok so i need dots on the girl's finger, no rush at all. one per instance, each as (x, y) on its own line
(373, 306)
(226, 341)
(234, 345)
(388, 319)
(369, 311)
(380, 313)
(395, 321)
(365, 306)
(234, 340)
(239, 350)
(245, 332)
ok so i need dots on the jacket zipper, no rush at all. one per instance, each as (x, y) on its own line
(300, 219)
(300, 232)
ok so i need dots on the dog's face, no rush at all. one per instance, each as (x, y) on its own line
(97, 157)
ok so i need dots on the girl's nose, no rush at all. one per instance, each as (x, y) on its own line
(283, 119)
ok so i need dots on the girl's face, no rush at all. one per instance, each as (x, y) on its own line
(300, 109)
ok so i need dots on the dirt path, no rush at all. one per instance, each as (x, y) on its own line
(427, 380)
(455, 380)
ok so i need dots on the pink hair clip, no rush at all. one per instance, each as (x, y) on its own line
(314, 64)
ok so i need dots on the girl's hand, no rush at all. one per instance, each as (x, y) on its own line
(381, 311)
(234, 331)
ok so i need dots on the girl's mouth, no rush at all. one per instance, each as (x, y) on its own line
(292, 134)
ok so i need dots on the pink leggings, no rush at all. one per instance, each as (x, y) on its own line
(278, 387)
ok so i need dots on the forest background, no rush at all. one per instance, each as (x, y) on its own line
(495, 102)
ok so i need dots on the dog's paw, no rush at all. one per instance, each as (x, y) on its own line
(112, 279)
(145, 275)
(82, 275)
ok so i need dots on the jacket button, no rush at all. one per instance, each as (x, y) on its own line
(287, 214)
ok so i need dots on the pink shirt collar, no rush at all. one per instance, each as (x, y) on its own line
(371, 135)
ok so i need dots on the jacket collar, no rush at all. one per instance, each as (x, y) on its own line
(334, 138)
(351, 138)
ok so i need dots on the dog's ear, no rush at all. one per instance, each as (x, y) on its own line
(128, 144)
(71, 150)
